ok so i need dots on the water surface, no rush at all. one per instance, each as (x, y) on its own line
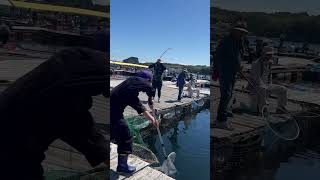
(190, 139)
(281, 160)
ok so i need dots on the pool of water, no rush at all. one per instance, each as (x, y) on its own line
(190, 139)
(280, 160)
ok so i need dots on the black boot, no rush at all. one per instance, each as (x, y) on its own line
(123, 166)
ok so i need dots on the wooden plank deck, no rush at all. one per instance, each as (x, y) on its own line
(281, 69)
(287, 65)
(144, 171)
(168, 100)
(13, 69)
(296, 96)
(245, 123)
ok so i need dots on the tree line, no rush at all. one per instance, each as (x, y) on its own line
(201, 69)
(298, 27)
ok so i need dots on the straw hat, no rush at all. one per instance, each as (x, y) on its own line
(267, 50)
(241, 27)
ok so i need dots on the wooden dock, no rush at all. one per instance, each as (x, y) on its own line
(304, 98)
(276, 69)
(229, 148)
(245, 123)
(168, 101)
(290, 68)
(11, 70)
(144, 171)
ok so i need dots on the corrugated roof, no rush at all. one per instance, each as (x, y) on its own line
(5, 3)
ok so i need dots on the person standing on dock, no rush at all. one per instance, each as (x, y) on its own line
(181, 81)
(261, 81)
(52, 102)
(259, 47)
(281, 41)
(228, 64)
(158, 68)
(4, 33)
(101, 38)
(123, 95)
(34, 18)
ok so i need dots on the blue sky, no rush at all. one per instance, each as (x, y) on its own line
(310, 6)
(145, 28)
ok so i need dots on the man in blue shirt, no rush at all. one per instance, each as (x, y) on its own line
(228, 64)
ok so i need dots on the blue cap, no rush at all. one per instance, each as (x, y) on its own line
(145, 75)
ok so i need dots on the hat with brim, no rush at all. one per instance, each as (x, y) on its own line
(268, 50)
(241, 29)
(241, 26)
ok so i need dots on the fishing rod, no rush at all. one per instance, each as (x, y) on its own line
(164, 52)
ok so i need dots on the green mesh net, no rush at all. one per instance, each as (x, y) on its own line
(135, 124)
(140, 148)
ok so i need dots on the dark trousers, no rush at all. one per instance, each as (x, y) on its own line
(180, 92)
(226, 90)
(157, 85)
(120, 133)
(33, 171)
(4, 38)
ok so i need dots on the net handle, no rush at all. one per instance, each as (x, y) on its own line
(160, 137)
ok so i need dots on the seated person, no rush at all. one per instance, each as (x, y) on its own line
(191, 87)
(259, 81)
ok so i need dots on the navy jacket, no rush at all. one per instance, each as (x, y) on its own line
(126, 94)
(228, 57)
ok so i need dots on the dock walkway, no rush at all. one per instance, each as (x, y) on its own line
(168, 100)
(245, 123)
(307, 98)
(229, 149)
(288, 65)
(144, 171)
